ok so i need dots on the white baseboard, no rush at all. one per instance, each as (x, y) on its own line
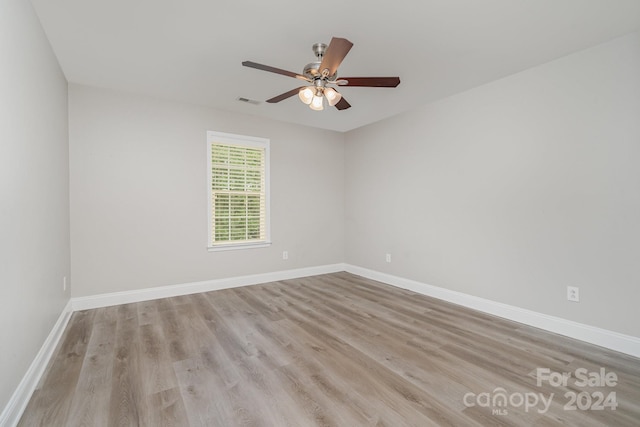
(115, 298)
(612, 340)
(20, 398)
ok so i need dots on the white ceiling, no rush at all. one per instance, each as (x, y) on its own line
(191, 50)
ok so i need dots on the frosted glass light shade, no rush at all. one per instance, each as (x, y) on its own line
(306, 95)
(316, 103)
(332, 96)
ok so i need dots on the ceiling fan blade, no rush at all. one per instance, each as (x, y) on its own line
(342, 104)
(335, 53)
(273, 70)
(284, 96)
(371, 81)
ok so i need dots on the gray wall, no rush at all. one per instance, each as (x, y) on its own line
(139, 193)
(34, 191)
(513, 190)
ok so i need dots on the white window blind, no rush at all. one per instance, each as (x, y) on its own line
(238, 183)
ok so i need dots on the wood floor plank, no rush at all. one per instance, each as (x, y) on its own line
(329, 350)
(387, 342)
(93, 391)
(254, 366)
(201, 393)
(309, 389)
(305, 371)
(51, 403)
(204, 378)
(347, 354)
(126, 402)
(155, 362)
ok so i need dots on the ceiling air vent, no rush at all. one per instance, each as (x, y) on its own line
(248, 101)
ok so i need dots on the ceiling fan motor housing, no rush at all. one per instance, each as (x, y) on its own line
(312, 70)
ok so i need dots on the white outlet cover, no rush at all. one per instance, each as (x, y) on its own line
(573, 293)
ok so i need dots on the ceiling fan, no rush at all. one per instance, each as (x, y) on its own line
(322, 73)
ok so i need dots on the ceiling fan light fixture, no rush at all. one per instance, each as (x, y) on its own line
(317, 103)
(332, 96)
(306, 94)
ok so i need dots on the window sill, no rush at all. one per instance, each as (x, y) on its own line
(235, 247)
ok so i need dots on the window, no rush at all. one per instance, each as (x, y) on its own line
(238, 191)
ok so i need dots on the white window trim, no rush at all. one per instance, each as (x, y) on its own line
(247, 141)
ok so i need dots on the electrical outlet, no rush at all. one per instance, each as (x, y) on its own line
(388, 258)
(64, 284)
(573, 293)
(285, 255)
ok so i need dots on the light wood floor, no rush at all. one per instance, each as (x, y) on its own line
(329, 350)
